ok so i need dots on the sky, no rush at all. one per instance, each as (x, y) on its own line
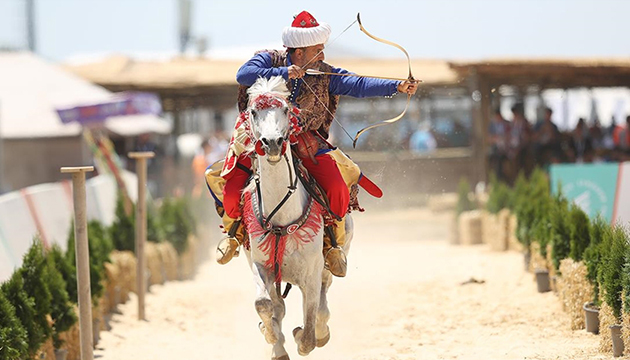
(448, 29)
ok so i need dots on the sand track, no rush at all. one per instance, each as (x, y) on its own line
(402, 299)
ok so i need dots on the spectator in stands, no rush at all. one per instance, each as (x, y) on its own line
(498, 138)
(520, 136)
(546, 140)
(580, 140)
(422, 140)
(199, 164)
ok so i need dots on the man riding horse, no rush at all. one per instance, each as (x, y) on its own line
(317, 97)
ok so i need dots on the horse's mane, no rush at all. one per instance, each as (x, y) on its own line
(274, 86)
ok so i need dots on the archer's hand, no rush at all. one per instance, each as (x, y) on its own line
(296, 72)
(408, 87)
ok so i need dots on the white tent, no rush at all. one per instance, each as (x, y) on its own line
(34, 142)
(31, 89)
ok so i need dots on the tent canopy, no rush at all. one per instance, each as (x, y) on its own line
(31, 89)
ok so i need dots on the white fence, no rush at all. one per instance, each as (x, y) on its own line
(47, 210)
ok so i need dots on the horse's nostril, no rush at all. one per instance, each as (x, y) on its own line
(265, 141)
(280, 141)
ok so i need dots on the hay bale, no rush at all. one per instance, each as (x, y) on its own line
(576, 290)
(537, 261)
(46, 351)
(72, 340)
(513, 243)
(487, 227)
(154, 264)
(503, 228)
(168, 255)
(112, 286)
(188, 259)
(606, 318)
(470, 227)
(442, 202)
(625, 330)
(126, 262)
(454, 239)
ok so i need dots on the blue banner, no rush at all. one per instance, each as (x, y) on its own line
(591, 186)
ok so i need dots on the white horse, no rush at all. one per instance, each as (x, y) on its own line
(294, 238)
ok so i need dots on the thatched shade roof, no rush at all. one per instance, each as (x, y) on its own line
(558, 73)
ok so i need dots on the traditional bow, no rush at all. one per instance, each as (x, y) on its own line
(409, 77)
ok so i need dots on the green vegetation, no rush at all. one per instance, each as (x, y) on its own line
(177, 222)
(13, 336)
(592, 254)
(463, 200)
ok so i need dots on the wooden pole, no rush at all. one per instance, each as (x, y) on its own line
(141, 225)
(82, 258)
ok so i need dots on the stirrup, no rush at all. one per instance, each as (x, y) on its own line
(229, 251)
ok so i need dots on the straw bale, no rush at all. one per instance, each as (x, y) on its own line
(126, 262)
(503, 219)
(154, 264)
(188, 259)
(442, 202)
(72, 340)
(537, 261)
(168, 255)
(625, 330)
(513, 243)
(46, 351)
(470, 227)
(454, 239)
(112, 274)
(487, 227)
(576, 290)
(606, 318)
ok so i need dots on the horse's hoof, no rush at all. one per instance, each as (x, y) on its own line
(296, 331)
(323, 341)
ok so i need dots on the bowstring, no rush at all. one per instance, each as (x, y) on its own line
(313, 92)
(327, 110)
(330, 43)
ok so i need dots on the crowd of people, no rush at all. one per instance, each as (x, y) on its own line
(518, 145)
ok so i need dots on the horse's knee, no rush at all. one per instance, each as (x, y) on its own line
(264, 307)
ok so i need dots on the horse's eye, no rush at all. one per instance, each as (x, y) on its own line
(254, 113)
(286, 110)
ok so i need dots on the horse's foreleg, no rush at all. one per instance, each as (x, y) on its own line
(322, 332)
(305, 337)
(270, 308)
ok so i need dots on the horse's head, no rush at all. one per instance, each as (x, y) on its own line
(272, 119)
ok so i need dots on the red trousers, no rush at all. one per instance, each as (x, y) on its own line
(325, 172)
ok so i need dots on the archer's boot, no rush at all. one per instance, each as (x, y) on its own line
(229, 246)
(334, 257)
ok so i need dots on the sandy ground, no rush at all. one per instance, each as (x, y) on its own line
(402, 299)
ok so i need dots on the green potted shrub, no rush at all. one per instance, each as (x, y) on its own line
(463, 197)
(580, 232)
(34, 274)
(24, 306)
(13, 336)
(614, 249)
(100, 246)
(122, 230)
(592, 260)
(62, 312)
(561, 230)
(177, 222)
